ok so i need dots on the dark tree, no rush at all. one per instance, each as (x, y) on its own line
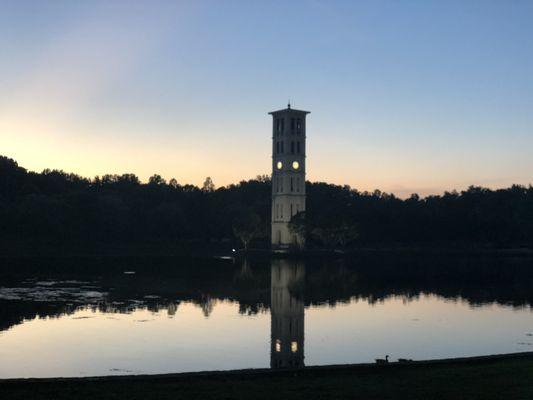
(247, 226)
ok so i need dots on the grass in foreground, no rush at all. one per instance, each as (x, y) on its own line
(510, 379)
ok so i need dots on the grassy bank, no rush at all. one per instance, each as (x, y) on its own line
(507, 377)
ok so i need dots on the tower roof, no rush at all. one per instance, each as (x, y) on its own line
(289, 110)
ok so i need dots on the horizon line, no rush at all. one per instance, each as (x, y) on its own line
(259, 176)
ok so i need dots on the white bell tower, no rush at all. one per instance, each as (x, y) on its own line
(288, 174)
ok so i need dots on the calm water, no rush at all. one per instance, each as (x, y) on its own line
(83, 317)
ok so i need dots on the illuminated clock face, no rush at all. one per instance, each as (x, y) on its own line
(279, 165)
(295, 164)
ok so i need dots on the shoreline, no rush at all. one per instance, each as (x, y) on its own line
(495, 377)
(312, 369)
(272, 254)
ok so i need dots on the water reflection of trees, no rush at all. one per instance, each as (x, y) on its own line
(477, 280)
(163, 286)
(14, 312)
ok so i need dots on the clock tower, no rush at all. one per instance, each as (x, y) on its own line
(288, 174)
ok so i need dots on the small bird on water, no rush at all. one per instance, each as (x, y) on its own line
(404, 360)
(383, 360)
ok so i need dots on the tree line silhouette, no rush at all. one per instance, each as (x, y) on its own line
(55, 206)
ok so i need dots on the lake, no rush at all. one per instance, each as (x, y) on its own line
(148, 315)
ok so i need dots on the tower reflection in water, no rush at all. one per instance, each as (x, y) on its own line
(287, 314)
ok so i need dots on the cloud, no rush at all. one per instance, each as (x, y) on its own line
(99, 47)
(75, 65)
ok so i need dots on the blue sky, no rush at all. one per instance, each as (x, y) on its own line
(406, 96)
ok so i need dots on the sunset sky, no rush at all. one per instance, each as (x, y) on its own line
(413, 96)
